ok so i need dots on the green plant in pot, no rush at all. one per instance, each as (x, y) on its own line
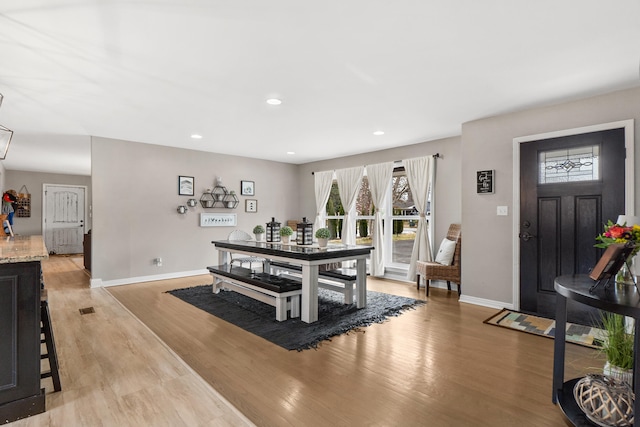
(617, 346)
(258, 230)
(285, 234)
(323, 235)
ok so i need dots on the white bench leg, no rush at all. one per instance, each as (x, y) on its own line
(295, 305)
(281, 309)
(217, 285)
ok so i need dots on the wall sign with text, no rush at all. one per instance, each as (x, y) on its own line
(485, 182)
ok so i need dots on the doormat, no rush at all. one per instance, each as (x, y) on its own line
(576, 334)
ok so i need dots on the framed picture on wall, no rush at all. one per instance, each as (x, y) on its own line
(185, 185)
(485, 182)
(251, 205)
(247, 188)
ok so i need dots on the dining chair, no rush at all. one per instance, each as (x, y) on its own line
(243, 259)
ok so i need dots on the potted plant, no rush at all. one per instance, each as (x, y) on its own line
(285, 234)
(617, 346)
(258, 230)
(323, 235)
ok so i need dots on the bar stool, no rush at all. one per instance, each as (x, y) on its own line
(51, 353)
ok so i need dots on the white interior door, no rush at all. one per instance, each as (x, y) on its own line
(64, 218)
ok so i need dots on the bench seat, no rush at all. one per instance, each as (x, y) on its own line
(281, 292)
(341, 280)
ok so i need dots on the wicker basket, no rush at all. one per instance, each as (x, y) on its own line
(605, 401)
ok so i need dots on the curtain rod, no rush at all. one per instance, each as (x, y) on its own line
(435, 156)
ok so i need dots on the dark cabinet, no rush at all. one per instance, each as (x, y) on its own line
(87, 251)
(20, 392)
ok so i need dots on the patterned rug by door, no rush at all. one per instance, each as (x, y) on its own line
(577, 334)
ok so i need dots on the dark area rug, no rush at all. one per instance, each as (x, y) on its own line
(334, 317)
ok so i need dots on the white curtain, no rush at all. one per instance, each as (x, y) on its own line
(348, 185)
(419, 176)
(379, 177)
(323, 181)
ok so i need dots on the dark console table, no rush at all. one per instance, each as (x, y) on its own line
(621, 299)
(20, 392)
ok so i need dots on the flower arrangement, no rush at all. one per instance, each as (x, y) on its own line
(616, 233)
(258, 229)
(323, 233)
(286, 231)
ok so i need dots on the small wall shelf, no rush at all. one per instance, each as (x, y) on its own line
(219, 197)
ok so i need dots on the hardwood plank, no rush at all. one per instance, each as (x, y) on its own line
(114, 370)
(435, 365)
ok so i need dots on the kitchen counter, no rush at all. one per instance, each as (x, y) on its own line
(22, 249)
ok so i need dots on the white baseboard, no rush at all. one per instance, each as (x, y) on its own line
(486, 302)
(97, 283)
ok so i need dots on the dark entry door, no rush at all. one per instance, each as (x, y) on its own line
(569, 187)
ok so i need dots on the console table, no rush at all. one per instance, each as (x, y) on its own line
(621, 299)
(20, 392)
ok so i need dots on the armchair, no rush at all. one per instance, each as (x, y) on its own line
(432, 270)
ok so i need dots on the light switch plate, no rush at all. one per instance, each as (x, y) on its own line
(503, 210)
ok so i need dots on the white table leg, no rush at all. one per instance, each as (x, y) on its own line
(223, 257)
(361, 283)
(309, 305)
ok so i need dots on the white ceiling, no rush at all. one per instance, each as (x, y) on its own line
(157, 71)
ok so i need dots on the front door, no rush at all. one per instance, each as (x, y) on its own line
(64, 218)
(570, 187)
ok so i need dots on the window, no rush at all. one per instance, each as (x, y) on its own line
(569, 165)
(404, 217)
(401, 214)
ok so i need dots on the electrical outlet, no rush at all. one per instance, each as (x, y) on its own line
(158, 262)
(503, 210)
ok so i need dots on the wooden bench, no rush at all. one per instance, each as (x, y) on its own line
(281, 292)
(341, 280)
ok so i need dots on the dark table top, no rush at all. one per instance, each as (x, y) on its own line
(622, 299)
(306, 253)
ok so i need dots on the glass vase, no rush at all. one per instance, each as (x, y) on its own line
(625, 276)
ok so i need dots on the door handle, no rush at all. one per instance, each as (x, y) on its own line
(526, 236)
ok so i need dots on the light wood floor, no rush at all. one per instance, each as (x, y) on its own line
(437, 365)
(114, 370)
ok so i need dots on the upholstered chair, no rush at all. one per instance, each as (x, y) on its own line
(444, 267)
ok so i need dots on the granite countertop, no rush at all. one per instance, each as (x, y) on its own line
(22, 249)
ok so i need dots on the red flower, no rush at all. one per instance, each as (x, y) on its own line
(617, 232)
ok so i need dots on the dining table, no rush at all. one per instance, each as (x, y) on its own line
(310, 258)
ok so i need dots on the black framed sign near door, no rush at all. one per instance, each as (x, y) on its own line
(569, 187)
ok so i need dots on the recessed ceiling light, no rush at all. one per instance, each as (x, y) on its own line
(291, 152)
(196, 136)
(378, 132)
(274, 101)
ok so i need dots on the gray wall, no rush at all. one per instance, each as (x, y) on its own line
(448, 199)
(34, 181)
(135, 196)
(487, 267)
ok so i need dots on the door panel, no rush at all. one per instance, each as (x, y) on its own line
(64, 219)
(564, 203)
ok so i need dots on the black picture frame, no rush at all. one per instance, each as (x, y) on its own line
(247, 188)
(186, 185)
(485, 181)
